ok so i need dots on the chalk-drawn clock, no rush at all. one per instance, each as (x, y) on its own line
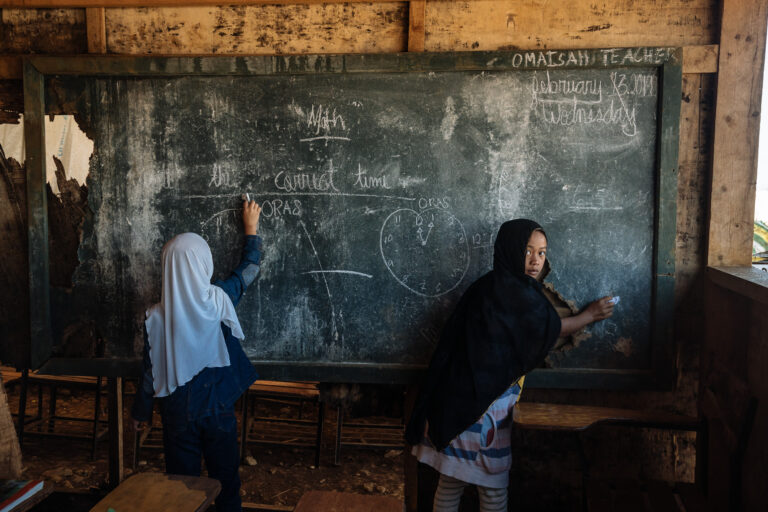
(427, 252)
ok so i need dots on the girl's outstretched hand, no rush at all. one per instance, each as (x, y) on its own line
(251, 213)
(600, 309)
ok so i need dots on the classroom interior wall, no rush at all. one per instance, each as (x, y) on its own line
(378, 27)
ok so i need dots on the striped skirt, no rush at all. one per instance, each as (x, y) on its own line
(480, 455)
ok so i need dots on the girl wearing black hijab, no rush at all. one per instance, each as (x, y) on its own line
(502, 328)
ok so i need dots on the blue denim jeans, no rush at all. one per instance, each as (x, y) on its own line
(213, 438)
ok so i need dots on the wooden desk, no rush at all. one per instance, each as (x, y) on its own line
(158, 491)
(541, 416)
(331, 501)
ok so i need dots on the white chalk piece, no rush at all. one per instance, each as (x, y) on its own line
(248, 197)
(614, 300)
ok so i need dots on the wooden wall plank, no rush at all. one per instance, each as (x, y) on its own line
(260, 30)
(737, 124)
(54, 31)
(513, 24)
(48, 4)
(416, 30)
(96, 30)
(700, 59)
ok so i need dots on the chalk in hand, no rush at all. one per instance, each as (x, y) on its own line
(246, 197)
(614, 300)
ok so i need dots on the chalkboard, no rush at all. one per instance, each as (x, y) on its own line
(382, 189)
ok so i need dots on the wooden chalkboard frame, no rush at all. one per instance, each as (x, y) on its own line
(667, 59)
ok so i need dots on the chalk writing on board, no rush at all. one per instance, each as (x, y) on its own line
(569, 102)
(350, 272)
(410, 243)
(362, 180)
(220, 177)
(325, 124)
(334, 328)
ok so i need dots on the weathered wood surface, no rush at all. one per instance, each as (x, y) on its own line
(332, 501)
(746, 281)
(158, 491)
(736, 342)
(737, 123)
(500, 24)
(97, 30)
(10, 451)
(542, 416)
(24, 31)
(416, 29)
(380, 27)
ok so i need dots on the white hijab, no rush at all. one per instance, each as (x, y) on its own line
(184, 328)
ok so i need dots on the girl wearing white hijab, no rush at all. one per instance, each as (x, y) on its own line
(193, 360)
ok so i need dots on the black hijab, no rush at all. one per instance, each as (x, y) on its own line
(502, 328)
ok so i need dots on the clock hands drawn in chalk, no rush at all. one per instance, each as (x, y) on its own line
(427, 252)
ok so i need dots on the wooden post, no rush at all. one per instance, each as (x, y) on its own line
(416, 28)
(96, 29)
(115, 385)
(737, 126)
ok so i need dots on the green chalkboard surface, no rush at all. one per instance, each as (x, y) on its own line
(382, 189)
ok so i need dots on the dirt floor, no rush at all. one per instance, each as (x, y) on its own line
(271, 474)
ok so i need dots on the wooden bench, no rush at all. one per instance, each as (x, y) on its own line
(158, 491)
(331, 501)
(624, 495)
(25, 378)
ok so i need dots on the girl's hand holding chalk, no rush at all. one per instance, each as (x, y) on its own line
(614, 300)
(251, 214)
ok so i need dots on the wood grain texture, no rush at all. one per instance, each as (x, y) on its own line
(96, 29)
(701, 58)
(10, 452)
(54, 31)
(260, 30)
(158, 491)
(47, 4)
(543, 416)
(416, 34)
(529, 24)
(737, 123)
(331, 501)
(116, 466)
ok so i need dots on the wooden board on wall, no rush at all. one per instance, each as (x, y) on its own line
(380, 27)
(513, 24)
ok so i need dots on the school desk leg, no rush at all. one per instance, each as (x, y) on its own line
(115, 387)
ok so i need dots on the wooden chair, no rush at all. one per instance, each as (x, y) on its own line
(359, 435)
(289, 431)
(25, 378)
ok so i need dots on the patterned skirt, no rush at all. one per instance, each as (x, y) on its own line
(480, 455)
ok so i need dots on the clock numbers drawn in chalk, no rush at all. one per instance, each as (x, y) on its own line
(427, 252)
